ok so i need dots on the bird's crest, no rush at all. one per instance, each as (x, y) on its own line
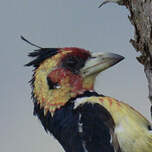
(40, 54)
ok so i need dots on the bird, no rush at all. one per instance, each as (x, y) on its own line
(70, 109)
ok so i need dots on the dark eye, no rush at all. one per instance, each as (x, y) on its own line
(73, 63)
(51, 84)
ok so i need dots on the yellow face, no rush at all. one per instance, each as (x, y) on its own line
(65, 84)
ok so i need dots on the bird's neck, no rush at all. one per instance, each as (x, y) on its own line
(51, 100)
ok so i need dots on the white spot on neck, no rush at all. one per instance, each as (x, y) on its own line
(79, 101)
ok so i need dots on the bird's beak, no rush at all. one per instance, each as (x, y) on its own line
(99, 62)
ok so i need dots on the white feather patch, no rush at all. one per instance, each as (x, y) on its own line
(80, 125)
(79, 101)
(80, 130)
(84, 146)
(119, 128)
(111, 139)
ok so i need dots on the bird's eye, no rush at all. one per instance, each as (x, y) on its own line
(73, 63)
(52, 85)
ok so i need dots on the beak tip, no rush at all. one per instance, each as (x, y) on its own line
(117, 57)
(121, 57)
(113, 58)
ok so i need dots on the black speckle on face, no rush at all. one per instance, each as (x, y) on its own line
(73, 63)
(51, 84)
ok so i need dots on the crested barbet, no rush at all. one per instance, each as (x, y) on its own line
(78, 117)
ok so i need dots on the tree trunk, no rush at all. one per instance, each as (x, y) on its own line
(141, 18)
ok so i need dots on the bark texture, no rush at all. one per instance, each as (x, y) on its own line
(141, 19)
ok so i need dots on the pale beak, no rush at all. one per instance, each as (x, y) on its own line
(99, 62)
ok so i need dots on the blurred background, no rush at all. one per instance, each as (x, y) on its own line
(58, 23)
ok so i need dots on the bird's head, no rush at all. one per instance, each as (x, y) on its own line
(64, 73)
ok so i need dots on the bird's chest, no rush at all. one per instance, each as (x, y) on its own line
(65, 124)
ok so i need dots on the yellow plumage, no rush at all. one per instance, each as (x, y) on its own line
(131, 127)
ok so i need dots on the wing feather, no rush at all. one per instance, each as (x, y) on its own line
(96, 129)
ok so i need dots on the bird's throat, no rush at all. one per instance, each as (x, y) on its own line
(70, 86)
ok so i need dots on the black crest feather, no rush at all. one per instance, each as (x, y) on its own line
(40, 55)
